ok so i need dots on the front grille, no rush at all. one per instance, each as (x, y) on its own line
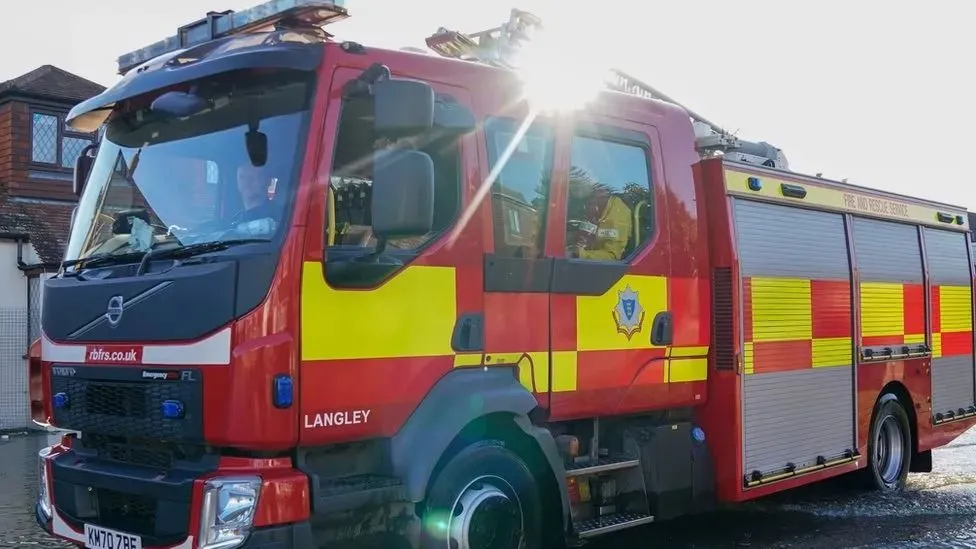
(116, 402)
(147, 454)
(144, 453)
(148, 457)
(125, 511)
(158, 522)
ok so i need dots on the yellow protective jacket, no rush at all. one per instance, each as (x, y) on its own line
(612, 232)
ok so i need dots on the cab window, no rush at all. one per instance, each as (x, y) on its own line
(610, 210)
(520, 190)
(352, 177)
(350, 231)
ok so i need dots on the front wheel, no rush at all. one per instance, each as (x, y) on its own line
(889, 446)
(485, 498)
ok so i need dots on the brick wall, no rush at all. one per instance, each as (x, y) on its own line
(19, 150)
(6, 143)
(55, 184)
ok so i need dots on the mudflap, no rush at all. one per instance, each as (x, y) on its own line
(921, 462)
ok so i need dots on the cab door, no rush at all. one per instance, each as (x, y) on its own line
(377, 332)
(519, 171)
(612, 319)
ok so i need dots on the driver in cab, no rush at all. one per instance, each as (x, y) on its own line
(259, 215)
(603, 227)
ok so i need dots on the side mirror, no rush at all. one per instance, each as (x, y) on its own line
(83, 166)
(402, 107)
(402, 202)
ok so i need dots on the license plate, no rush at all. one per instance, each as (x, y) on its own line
(97, 537)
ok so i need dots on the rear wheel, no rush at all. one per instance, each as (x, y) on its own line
(889, 446)
(484, 498)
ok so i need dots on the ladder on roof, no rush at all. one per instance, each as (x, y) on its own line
(498, 45)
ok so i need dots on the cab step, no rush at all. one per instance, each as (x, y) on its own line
(601, 465)
(611, 523)
(605, 484)
(352, 492)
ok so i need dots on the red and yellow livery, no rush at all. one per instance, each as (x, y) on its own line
(454, 315)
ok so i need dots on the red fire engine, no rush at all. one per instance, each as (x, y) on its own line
(320, 293)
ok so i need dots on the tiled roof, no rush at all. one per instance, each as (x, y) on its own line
(53, 83)
(45, 224)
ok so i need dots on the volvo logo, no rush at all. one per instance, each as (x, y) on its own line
(116, 307)
(113, 313)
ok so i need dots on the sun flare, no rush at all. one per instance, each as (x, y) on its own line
(560, 71)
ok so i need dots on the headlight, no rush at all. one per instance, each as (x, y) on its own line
(228, 511)
(43, 487)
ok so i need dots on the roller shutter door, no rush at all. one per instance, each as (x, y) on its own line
(798, 387)
(951, 303)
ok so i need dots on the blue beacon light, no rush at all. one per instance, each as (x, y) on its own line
(283, 391)
(172, 409)
(60, 400)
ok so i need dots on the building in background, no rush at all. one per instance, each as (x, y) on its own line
(37, 152)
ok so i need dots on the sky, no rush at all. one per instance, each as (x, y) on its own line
(880, 93)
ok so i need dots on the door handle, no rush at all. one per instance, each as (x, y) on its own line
(469, 333)
(662, 329)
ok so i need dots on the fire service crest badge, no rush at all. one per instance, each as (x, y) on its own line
(628, 314)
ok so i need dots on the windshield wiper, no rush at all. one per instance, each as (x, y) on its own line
(190, 250)
(103, 259)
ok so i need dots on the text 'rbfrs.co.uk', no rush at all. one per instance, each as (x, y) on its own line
(105, 354)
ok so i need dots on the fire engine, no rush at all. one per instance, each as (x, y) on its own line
(321, 293)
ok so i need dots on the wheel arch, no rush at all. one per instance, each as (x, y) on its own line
(897, 391)
(470, 404)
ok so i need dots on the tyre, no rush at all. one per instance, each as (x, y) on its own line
(485, 497)
(889, 446)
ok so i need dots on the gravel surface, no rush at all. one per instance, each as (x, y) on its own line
(938, 510)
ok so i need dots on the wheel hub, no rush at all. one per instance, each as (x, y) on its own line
(889, 450)
(485, 517)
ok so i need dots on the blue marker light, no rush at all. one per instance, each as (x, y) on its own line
(755, 184)
(60, 400)
(172, 409)
(283, 391)
(698, 434)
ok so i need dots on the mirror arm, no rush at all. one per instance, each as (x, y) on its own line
(374, 255)
(363, 84)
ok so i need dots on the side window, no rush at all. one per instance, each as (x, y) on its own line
(610, 210)
(352, 177)
(522, 168)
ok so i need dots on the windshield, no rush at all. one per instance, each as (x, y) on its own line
(166, 180)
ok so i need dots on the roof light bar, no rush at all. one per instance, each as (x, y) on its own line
(221, 24)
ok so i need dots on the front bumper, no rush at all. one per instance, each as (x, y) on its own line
(280, 519)
(289, 536)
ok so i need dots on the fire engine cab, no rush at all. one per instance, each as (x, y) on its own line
(322, 294)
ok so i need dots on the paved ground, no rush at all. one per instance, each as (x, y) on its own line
(939, 511)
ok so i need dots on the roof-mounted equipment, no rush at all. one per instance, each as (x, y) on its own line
(271, 15)
(498, 46)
